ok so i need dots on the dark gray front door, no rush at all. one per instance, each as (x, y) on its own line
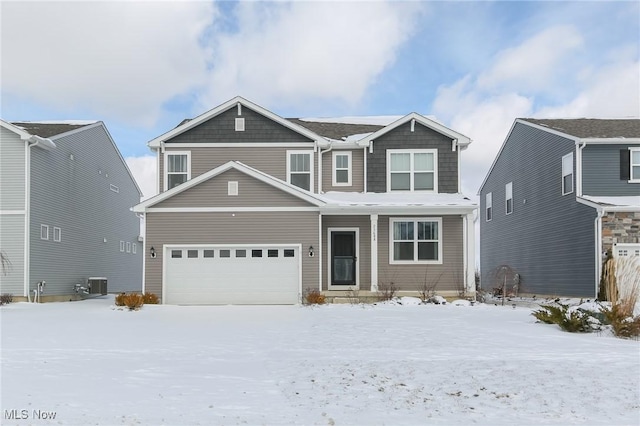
(343, 258)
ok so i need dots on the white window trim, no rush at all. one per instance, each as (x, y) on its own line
(508, 195)
(166, 163)
(134, 248)
(415, 220)
(564, 191)
(114, 188)
(633, 179)
(488, 205)
(311, 165)
(411, 171)
(334, 173)
(122, 246)
(57, 238)
(128, 246)
(44, 232)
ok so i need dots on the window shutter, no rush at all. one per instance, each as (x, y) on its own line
(625, 164)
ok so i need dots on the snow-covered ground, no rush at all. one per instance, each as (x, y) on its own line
(340, 364)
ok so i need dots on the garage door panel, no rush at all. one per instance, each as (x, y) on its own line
(195, 279)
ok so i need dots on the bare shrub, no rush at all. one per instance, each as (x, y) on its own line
(314, 297)
(6, 298)
(387, 291)
(428, 287)
(353, 296)
(5, 263)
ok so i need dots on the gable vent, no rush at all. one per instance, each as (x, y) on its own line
(232, 188)
(239, 124)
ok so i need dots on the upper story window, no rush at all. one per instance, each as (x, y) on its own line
(489, 206)
(508, 197)
(300, 169)
(341, 168)
(634, 167)
(412, 170)
(44, 232)
(416, 240)
(567, 174)
(178, 168)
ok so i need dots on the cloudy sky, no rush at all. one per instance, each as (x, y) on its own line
(143, 66)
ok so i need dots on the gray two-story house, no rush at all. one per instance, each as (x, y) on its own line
(254, 208)
(65, 211)
(560, 195)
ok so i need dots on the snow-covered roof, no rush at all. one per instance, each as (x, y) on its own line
(49, 128)
(620, 203)
(396, 201)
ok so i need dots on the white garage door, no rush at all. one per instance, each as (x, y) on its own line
(231, 274)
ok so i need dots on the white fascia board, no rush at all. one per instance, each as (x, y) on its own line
(610, 141)
(24, 135)
(178, 145)
(397, 210)
(142, 207)
(461, 139)
(154, 143)
(228, 209)
(609, 208)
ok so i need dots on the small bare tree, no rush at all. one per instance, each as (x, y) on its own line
(428, 286)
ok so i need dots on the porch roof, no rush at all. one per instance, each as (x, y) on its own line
(396, 203)
(621, 203)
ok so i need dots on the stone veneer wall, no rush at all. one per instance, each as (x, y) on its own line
(620, 227)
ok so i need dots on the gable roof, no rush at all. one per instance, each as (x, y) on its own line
(338, 131)
(461, 139)
(47, 129)
(257, 174)
(579, 130)
(591, 128)
(34, 140)
(189, 124)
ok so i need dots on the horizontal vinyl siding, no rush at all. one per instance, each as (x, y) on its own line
(357, 172)
(12, 171)
(363, 223)
(421, 138)
(12, 246)
(74, 194)
(549, 238)
(272, 161)
(449, 276)
(601, 172)
(231, 228)
(251, 193)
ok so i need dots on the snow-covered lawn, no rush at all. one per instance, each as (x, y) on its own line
(341, 364)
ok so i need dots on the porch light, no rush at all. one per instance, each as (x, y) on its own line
(310, 251)
(152, 251)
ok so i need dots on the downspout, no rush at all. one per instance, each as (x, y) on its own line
(598, 236)
(320, 165)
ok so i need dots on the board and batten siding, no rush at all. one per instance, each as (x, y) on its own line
(421, 138)
(272, 161)
(221, 129)
(12, 210)
(363, 223)
(448, 276)
(71, 189)
(601, 171)
(231, 228)
(251, 193)
(549, 238)
(357, 172)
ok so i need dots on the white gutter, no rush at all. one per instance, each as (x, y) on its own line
(44, 143)
(579, 147)
(598, 259)
(320, 166)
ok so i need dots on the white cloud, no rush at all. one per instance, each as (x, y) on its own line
(520, 84)
(144, 171)
(118, 59)
(292, 52)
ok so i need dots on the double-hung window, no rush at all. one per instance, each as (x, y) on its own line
(341, 168)
(178, 168)
(567, 174)
(412, 170)
(300, 169)
(508, 198)
(416, 240)
(489, 206)
(634, 165)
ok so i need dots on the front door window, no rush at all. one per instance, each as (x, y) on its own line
(343, 258)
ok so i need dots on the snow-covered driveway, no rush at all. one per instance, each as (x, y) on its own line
(88, 363)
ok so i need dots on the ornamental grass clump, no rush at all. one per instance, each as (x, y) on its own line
(314, 297)
(622, 286)
(150, 299)
(133, 301)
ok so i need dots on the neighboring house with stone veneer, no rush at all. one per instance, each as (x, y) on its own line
(254, 208)
(559, 195)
